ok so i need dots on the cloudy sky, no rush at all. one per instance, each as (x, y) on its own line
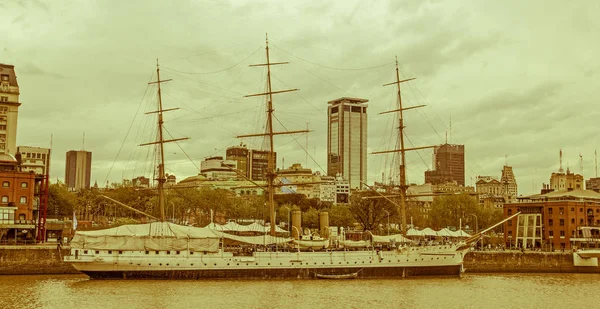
(519, 79)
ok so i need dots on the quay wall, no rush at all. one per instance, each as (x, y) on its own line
(46, 259)
(34, 260)
(523, 262)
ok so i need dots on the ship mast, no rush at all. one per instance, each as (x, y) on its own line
(402, 150)
(161, 141)
(271, 173)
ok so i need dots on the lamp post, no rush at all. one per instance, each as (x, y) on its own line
(288, 226)
(476, 225)
(388, 223)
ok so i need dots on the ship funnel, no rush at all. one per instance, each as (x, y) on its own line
(296, 223)
(324, 224)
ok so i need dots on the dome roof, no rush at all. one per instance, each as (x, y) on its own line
(6, 157)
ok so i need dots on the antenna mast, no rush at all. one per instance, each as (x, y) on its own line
(560, 170)
(161, 141)
(402, 150)
(271, 172)
(596, 161)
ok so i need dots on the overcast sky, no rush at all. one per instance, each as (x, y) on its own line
(519, 79)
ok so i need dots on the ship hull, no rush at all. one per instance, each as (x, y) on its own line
(278, 273)
(408, 262)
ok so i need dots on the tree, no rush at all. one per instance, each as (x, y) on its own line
(370, 212)
(310, 218)
(340, 215)
(448, 210)
(61, 202)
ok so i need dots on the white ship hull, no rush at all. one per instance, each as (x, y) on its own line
(406, 262)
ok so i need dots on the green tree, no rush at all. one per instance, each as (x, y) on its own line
(370, 212)
(61, 202)
(310, 218)
(448, 210)
(340, 215)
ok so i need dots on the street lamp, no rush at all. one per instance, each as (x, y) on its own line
(476, 225)
(388, 225)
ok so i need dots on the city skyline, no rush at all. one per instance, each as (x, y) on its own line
(504, 84)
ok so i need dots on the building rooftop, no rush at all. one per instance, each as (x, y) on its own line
(348, 100)
(9, 70)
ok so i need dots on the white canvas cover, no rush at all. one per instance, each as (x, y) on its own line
(414, 232)
(156, 236)
(429, 232)
(235, 227)
(461, 233)
(314, 244)
(389, 238)
(356, 244)
(234, 240)
(445, 232)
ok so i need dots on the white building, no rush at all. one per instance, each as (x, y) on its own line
(9, 109)
(218, 169)
(34, 159)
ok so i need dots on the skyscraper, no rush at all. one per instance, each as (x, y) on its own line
(9, 109)
(347, 140)
(448, 165)
(78, 170)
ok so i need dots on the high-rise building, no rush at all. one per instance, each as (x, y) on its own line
(347, 140)
(258, 164)
(239, 154)
(78, 170)
(34, 159)
(448, 165)
(593, 184)
(9, 109)
(509, 183)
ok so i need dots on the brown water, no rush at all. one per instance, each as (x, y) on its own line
(471, 291)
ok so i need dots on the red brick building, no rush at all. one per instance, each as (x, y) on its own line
(551, 221)
(17, 201)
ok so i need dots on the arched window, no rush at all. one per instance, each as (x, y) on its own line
(5, 199)
(23, 200)
(5, 184)
(24, 185)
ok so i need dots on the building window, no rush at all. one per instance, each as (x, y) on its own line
(580, 209)
(550, 222)
(4, 99)
(509, 222)
(5, 199)
(4, 77)
(573, 220)
(562, 233)
(572, 209)
(561, 210)
(23, 200)
(24, 185)
(5, 184)
(549, 210)
(551, 233)
(562, 222)
(509, 212)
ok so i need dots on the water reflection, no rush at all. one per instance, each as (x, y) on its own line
(472, 291)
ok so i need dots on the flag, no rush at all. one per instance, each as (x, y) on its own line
(74, 221)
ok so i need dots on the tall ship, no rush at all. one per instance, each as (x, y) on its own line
(165, 250)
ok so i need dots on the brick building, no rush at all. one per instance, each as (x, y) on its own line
(17, 203)
(550, 221)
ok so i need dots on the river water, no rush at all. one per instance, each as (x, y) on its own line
(471, 291)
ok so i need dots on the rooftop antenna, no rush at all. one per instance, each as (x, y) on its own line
(560, 170)
(596, 161)
(83, 142)
(505, 160)
(581, 164)
(306, 149)
(450, 128)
